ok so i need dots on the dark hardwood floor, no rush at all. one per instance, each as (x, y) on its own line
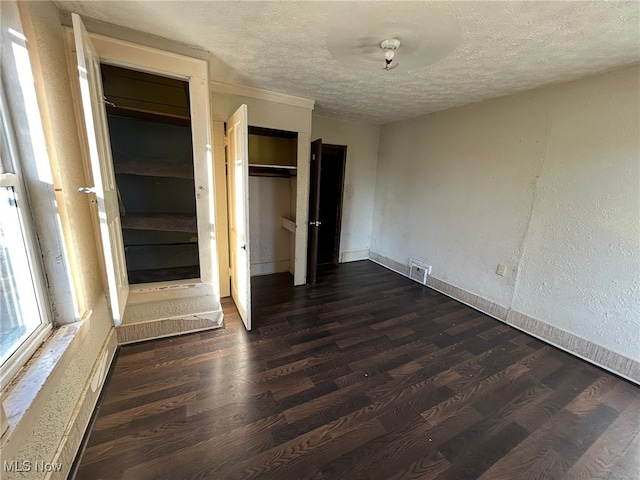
(365, 376)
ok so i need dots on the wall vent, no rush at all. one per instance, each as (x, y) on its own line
(418, 271)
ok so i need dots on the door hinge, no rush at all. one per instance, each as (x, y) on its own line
(229, 271)
(226, 141)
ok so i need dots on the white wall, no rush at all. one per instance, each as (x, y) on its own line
(269, 200)
(580, 266)
(361, 140)
(545, 182)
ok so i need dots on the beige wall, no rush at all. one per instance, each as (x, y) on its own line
(580, 265)
(49, 421)
(546, 182)
(361, 140)
(269, 201)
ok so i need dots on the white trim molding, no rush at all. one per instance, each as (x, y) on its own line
(573, 344)
(252, 92)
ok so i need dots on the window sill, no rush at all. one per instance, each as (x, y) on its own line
(25, 396)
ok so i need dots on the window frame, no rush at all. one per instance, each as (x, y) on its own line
(11, 176)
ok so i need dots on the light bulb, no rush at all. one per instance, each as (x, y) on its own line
(388, 54)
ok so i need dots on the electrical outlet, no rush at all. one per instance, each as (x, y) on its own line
(501, 270)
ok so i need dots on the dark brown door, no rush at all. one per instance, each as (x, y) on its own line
(332, 171)
(314, 211)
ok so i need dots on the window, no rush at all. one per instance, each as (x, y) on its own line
(24, 318)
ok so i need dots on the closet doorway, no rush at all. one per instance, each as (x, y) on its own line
(272, 200)
(156, 308)
(150, 132)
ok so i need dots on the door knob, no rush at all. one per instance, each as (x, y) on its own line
(244, 247)
(315, 224)
(87, 190)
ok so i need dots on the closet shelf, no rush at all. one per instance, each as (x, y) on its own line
(287, 224)
(165, 222)
(140, 114)
(260, 170)
(285, 167)
(154, 169)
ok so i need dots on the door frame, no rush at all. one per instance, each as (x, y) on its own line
(125, 54)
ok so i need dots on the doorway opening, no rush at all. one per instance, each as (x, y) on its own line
(326, 185)
(332, 170)
(149, 125)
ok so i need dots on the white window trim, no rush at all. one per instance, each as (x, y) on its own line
(23, 100)
(14, 180)
(48, 356)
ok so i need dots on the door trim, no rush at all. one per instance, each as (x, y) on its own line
(195, 71)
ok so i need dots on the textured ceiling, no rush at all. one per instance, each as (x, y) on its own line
(505, 47)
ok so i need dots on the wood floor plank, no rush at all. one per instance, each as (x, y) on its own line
(366, 375)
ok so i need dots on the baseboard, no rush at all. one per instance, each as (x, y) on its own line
(354, 256)
(580, 347)
(150, 330)
(72, 438)
(485, 306)
(269, 268)
(389, 263)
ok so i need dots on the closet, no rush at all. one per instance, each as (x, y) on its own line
(151, 144)
(272, 200)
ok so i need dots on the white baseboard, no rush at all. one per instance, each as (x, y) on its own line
(72, 438)
(354, 256)
(580, 347)
(269, 268)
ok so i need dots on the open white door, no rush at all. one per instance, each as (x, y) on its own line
(104, 184)
(238, 188)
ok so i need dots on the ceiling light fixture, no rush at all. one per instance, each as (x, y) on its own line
(411, 39)
(390, 46)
